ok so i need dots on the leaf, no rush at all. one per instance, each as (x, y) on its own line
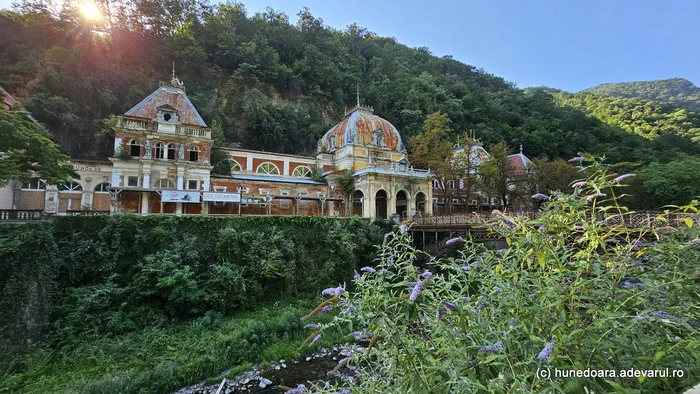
(688, 222)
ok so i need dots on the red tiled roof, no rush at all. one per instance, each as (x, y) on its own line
(172, 96)
(358, 128)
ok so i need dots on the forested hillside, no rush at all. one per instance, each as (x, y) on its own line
(276, 86)
(678, 91)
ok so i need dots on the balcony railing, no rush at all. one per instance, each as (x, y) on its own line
(165, 128)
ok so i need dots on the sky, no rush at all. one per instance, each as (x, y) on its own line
(564, 44)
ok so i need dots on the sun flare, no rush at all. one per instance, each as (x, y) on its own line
(90, 11)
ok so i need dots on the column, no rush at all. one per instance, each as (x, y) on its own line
(145, 203)
(146, 176)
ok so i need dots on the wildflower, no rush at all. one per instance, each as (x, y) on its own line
(479, 308)
(298, 390)
(579, 184)
(403, 228)
(541, 229)
(356, 276)
(640, 319)
(497, 289)
(331, 291)
(356, 334)
(452, 240)
(348, 310)
(677, 339)
(390, 262)
(367, 269)
(512, 321)
(439, 313)
(417, 289)
(578, 159)
(310, 325)
(492, 348)
(661, 314)
(546, 352)
(316, 339)
(427, 274)
(383, 271)
(534, 295)
(508, 222)
(326, 309)
(467, 267)
(623, 177)
(449, 306)
(540, 196)
(578, 228)
(593, 196)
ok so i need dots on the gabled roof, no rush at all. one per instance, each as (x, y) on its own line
(519, 162)
(172, 96)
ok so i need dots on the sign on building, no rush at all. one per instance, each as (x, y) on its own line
(221, 197)
(179, 196)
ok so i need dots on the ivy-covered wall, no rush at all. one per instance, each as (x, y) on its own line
(112, 274)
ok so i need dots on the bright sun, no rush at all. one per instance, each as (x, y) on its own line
(90, 11)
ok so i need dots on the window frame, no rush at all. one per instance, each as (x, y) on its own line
(129, 178)
(267, 172)
(193, 150)
(72, 187)
(159, 146)
(133, 143)
(298, 175)
(196, 184)
(40, 185)
(99, 186)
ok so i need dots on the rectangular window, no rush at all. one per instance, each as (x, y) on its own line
(321, 195)
(132, 181)
(219, 188)
(192, 184)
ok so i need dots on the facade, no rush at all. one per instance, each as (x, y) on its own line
(161, 165)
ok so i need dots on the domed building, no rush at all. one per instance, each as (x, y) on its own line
(370, 148)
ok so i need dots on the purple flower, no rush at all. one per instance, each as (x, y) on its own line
(449, 306)
(497, 289)
(332, 291)
(468, 267)
(593, 196)
(540, 196)
(479, 308)
(316, 339)
(623, 177)
(356, 276)
(578, 228)
(298, 390)
(439, 313)
(390, 262)
(546, 352)
(367, 269)
(677, 339)
(512, 321)
(417, 290)
(492, 348)
(310, 325)
(348, 310)
(579, 184)
(508, 222)
(356, 334)
(661, 315)
(452, 240)
(403, 228)
(427, 274)
(578, 159)
(383, 271)
(534, 295)
(326, 309)
(541, 229)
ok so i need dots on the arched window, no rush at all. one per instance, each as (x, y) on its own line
(436, 184)
(268, 168)
(302, 171)
(171, 151)
(34, 184)
(235, 166)
(134, 148)
(71, 187)
(159, 150)
(102, 187)
(194, 153)
(164, 183)
(451, 184)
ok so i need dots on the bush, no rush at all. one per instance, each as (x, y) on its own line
(571, 292)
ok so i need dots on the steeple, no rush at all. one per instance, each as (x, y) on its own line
(521, 149)
(358, 94)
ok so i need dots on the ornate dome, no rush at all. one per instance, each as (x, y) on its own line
(362, 127)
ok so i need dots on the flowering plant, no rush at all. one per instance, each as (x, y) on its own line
(577, 288)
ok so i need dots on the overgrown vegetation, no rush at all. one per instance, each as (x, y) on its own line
(573, 291)
(94, 277)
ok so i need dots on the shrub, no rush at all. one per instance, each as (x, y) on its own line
(572, 291)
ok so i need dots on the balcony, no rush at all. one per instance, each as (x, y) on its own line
(163, 128)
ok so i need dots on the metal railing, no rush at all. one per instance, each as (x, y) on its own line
(86, 213)
(21, 214)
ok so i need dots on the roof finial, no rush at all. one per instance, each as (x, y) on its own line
(358, 94)
(521, 149)
(173, 69)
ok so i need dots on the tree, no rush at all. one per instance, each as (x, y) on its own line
(545, 176)
(677, 182)
(432, 150)
(497, 174)
(465, 168)
(26, 151)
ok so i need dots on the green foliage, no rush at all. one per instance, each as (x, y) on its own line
(598, 294)
(162, 359)
(678, 91)
(28, 152)
(677, 182)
